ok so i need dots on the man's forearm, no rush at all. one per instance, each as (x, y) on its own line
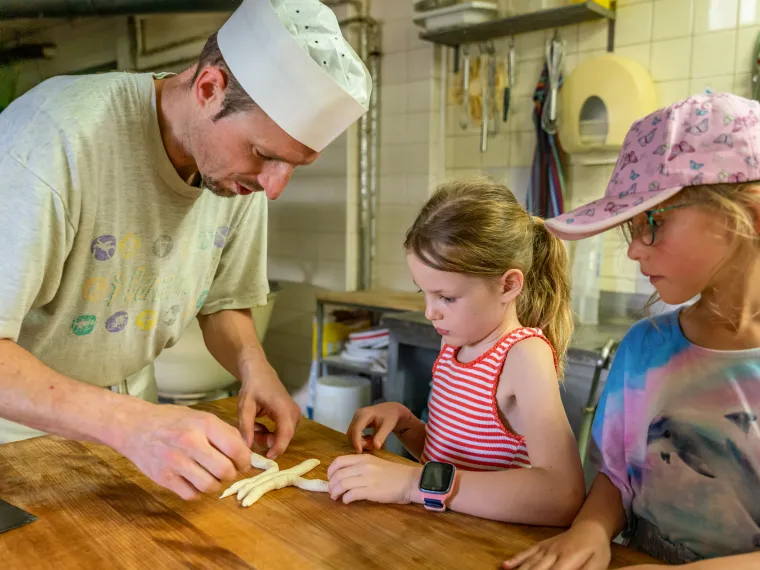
(37, 396)
(230, 337)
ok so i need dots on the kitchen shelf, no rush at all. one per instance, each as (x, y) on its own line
(351, 366)
(534, 21)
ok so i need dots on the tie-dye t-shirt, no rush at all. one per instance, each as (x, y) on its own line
(678, 434)
(106, 254)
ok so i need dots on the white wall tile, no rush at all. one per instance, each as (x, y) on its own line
(418, 127)
(745, 49)
(417, 159)
(394, 68)
(723, 83)
(634, 24)
(392, 98)
(743, 85)
(715, 15)
(672, 19)
(522, 149)
(671, 91)
(393, 129)
(585, 56)
(392, 189)
(571, 62)
(521, 114)
(671, 59)
(592, 36)
(392, 158)
(641, 53)
(419, 96)
(395, 37)
(526, 77)
(749, 12)
(467, 152)
(420, 63)
(530, 46)
(497, 153)
(714, 54)
(330, 246)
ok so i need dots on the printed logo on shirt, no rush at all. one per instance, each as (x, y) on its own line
(163, 246)
(103, 247)
(83, 325)
(221, 236)
(129, 246)
(117, 322)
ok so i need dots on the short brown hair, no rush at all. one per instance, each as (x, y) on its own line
(478, 227)
(236, 99)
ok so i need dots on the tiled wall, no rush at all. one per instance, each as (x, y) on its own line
(686, 45)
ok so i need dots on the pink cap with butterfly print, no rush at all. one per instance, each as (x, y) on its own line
(707, 139)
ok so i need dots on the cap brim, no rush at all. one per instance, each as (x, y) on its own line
(612, 212)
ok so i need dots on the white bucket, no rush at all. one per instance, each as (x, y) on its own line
(338, 398)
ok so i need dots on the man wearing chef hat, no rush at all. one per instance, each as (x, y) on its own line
(134, 203)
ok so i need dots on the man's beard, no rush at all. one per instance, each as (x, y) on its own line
(216, 188)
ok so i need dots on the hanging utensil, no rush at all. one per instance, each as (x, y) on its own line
(485, 104)
(464, 114)
(555, 53)
(510, 79)
(493, 107)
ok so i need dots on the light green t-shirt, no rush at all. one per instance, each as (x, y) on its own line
(106, 254)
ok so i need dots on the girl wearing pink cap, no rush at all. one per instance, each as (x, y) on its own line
(677, 426)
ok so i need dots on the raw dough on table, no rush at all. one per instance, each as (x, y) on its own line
(251, 490)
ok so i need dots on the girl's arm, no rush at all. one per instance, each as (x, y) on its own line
(552, 490)
(410, 430)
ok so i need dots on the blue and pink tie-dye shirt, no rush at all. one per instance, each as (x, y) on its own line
(678, 434)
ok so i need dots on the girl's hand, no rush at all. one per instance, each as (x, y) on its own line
(366, 477)
(383, 418)
(584, 546)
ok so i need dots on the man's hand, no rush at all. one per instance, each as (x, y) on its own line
(185, 450)
(262, 394)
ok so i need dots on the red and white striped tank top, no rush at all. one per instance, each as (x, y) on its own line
(464, 427)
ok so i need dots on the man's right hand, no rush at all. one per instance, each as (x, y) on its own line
(186, 451)
(585, 546)
(383, 418)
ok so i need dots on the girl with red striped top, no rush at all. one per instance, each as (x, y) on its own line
(496, 289)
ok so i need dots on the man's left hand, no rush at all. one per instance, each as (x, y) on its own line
(262, 394)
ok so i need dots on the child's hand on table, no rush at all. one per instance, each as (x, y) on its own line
(382, 417)
(366, 477)
(583, 547)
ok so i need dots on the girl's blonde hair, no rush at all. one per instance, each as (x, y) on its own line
(479, 228)
(738, 205)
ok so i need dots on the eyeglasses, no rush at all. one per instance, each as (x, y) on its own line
(645, 233)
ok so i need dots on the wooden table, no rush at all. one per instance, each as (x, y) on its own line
(96, 510)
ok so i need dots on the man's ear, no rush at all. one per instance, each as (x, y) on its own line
(209, 89)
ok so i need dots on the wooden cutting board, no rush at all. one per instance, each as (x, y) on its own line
(96, 510)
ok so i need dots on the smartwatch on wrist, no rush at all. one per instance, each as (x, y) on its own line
(436, 484)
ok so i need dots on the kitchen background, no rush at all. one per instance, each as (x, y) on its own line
(685, 46)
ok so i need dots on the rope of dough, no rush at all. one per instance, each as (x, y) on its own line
(252, 489)
(259, 462)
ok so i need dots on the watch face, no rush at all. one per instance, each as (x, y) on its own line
(437, 477)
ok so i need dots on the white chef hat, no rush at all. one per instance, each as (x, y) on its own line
(291, 58)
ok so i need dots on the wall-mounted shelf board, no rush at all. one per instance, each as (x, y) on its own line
(543, 20)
